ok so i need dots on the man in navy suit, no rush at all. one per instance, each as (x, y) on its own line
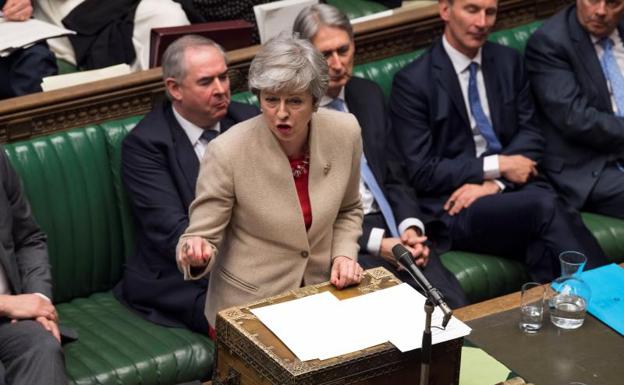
(576, 65)
(160, 163)
(332, 34)
(465, 123)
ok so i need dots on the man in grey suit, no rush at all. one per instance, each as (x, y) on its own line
(30, 349)
(576, 66)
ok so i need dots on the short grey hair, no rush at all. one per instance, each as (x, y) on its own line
(173, 62)
(311, 18)
(289, 64)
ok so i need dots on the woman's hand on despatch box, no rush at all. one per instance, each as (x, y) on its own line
(345, 272)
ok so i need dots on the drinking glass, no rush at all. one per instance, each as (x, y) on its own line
(571, 296)
(531, 307)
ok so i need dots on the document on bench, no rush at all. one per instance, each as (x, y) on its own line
(321, 326)
(278, 16)
(18, 34)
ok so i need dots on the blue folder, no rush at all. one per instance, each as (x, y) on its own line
(607, 295)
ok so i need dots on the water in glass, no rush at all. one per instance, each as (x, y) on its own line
(531, 320)
(569, 304)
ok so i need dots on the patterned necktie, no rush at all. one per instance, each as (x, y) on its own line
(209, 135)
(614, 76)
(476, 109)
(369, 179)
(337, 104)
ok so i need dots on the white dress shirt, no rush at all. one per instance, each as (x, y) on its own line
(461, 63)
(373, 245)
(194, 133)
(618, 52)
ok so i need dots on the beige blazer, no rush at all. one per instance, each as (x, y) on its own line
(247, 207)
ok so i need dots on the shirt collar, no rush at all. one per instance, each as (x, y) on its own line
(325, 100)
(614, 36)
(192, 130)
(459, 60)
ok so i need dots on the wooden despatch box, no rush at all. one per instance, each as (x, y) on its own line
(249, 354)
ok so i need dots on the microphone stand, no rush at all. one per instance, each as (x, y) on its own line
(433, 298)
(425, 356)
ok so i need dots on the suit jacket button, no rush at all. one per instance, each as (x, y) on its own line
(304, 254)
(595, 174)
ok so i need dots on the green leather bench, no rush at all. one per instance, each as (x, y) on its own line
(72, 180)
(73, 183)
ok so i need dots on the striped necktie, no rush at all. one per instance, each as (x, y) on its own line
(614, 76)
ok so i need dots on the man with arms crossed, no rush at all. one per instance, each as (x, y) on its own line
(160, 166)
(466, 126)
(576, 65)
(390, 208)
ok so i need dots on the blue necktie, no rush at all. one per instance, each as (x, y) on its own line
(209, 135)
(337, 104)
(370, 181)
(613, 74)
(382, 202)
(476, 109)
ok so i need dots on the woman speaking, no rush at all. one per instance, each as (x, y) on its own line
(277, 204)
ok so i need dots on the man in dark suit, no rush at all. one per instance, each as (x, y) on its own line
(391, 212)
(160, 163)
(30, 349)
(22, 71)
(466, 126)
(575, 63)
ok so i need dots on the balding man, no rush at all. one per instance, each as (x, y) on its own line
(160, 165)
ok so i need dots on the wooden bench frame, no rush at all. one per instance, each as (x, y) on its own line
(41, 114)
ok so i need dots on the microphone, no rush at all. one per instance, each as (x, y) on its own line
(405, 259)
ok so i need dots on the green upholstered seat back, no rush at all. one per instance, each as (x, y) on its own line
(515, 37)
(610, 234)
(114, 132)
(382, 71)
(68, 182)
(245, 97)
(72, 182)
(357, 8)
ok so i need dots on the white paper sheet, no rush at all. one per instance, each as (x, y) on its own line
(321, 326)
(301, 323)
(72, 79)
(278, 16)
(17, 34)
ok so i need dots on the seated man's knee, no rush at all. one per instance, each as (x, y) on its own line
(33, 336)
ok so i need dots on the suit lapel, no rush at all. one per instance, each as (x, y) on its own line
(447, 79)
(359, 108)
(227, 121)
(184, 152)
(588, 57)
(320, 167)
(492, 88)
